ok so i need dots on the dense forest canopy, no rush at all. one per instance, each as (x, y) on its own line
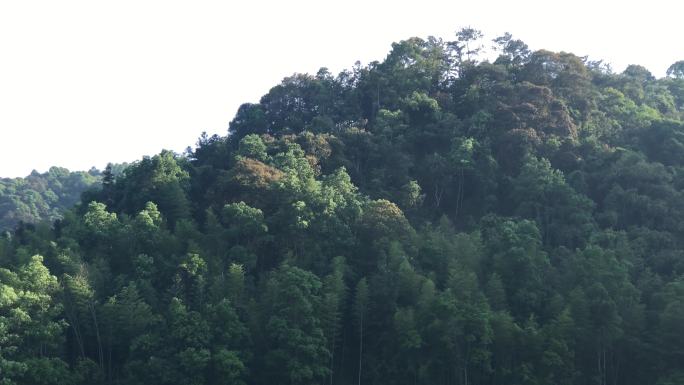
(40, 197)
(434, 218)
(44, 197)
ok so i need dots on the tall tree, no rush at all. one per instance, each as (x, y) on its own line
(360, 310)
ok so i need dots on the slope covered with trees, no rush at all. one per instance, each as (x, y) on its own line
(45, 197)
(428, 219)
(39, 197)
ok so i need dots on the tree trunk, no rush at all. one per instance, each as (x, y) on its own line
(459, 194)
(360, 348)
(332, 358)
(97, 335)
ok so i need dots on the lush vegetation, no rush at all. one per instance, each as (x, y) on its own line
(44, 197)
(428, 219)
(40, 197)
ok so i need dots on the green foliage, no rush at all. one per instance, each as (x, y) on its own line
(426, 219)
(31, 329)
(541, 193)
(296, 342)
(251, 146)
(40, 197)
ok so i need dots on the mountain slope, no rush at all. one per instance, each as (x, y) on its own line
(41, 196)
(427, 219)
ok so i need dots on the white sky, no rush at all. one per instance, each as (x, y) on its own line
(87, 82)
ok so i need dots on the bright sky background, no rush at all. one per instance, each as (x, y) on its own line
(87, 82)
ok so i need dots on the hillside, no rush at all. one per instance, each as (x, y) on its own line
(45, 197)
(433, 218)
(39, 197)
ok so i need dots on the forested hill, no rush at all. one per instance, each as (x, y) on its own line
(39, 197)
(433, 218)
(44, 197)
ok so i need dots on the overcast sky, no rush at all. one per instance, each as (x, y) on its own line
(83, 83)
